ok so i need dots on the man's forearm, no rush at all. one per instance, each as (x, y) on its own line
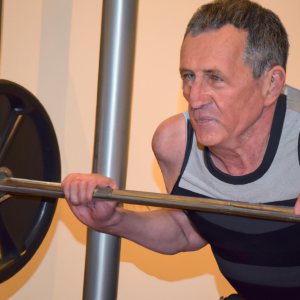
(163, 231)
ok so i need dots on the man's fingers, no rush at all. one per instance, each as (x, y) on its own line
(112, 184)
(74, 192)
(90, 189)
(79, 188)
(82, 192)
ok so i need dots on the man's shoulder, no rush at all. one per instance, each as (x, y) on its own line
(170, 136)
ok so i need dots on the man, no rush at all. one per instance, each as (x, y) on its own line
(237, 141)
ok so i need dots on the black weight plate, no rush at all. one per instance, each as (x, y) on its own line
(29, 148)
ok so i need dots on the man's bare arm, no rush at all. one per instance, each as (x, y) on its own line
(163, 231)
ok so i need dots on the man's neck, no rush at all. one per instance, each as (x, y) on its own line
(245, 154)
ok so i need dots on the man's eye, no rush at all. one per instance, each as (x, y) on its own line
(190, 76)
(188, 79)
(216, 78)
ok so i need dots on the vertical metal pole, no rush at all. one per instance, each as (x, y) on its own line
(1, 31)
(118, 34)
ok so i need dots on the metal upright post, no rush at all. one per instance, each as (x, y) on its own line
(1, 31)
(118, 34)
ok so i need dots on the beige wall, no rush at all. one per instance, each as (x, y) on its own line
(51, 47)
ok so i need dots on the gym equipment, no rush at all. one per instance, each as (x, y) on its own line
(115, 82)
(24, 187)
(29, 148)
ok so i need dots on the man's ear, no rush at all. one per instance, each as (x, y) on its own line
(273, 84)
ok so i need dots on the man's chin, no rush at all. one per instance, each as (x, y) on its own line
(208, 140)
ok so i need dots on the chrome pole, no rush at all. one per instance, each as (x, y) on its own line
(1, 30)
(117, 51)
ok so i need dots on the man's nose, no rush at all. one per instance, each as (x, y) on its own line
(197, 95)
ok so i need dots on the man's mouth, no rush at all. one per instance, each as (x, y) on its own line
(203, 117)
(205, 120)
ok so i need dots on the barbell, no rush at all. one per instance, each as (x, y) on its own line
(29, 150)
(17, 186)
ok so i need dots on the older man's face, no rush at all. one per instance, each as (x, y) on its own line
(224, 99)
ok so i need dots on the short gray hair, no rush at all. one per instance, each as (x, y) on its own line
(267, 42)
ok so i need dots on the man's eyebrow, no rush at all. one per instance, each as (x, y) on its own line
(181, 70)
(214, 71)
(205, 71)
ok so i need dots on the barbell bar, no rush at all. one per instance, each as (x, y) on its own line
(17, 186)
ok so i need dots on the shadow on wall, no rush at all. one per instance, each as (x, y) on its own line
(77, 229)
(176, 267)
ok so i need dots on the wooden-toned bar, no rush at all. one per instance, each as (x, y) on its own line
(16, 186)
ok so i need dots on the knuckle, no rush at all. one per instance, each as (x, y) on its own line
(74, 202)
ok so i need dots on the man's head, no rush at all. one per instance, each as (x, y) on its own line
(267, 41)
(228, 85)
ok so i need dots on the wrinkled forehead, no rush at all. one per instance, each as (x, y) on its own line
(227, 43)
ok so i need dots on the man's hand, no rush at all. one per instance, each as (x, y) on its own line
(78, 190)
(297, 206)
(164, 231)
